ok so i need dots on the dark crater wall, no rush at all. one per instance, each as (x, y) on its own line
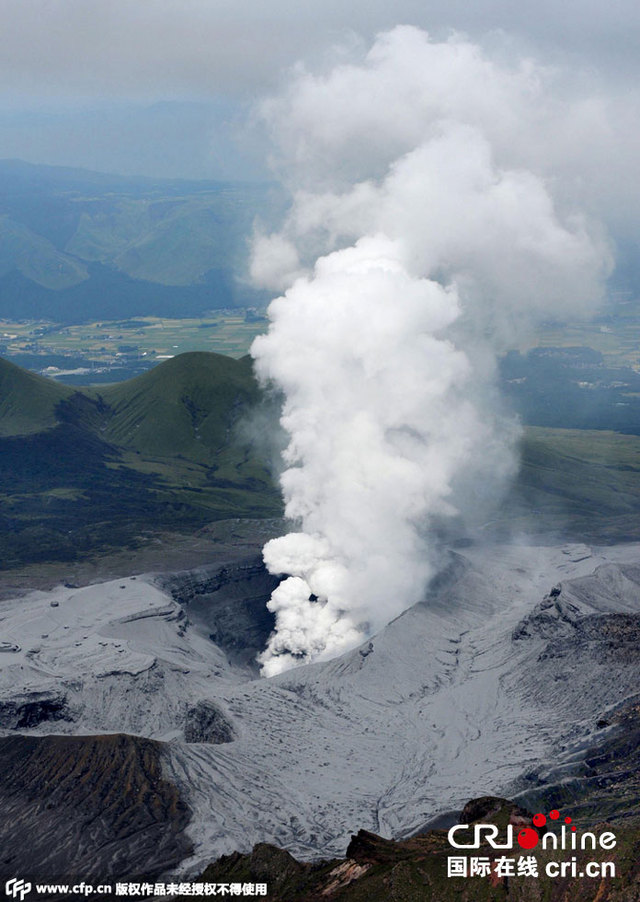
(603, 782)
(229, 602)
(92, 807)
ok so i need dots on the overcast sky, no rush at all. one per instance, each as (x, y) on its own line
(162, 86)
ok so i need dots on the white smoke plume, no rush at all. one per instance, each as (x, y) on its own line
(422, 181)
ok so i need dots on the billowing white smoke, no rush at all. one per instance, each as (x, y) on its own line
(408, 177)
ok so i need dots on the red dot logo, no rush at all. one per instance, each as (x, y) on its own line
(528, 838)
(554, 815)
(539, 820)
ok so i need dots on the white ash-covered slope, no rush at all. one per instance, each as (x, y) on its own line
(111, 657)
(495, 676)
(443, 704)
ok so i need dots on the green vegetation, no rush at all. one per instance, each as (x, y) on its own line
(615, 333)
(27, 402)
(104, 468)
(169, 240)
(93, 470)
(181, 407)
(142, 340)
(578, 484)
(36, 258)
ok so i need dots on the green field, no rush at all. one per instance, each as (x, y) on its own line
(575, 484)
(113, 345)
(615, 332)
(228, 332)
(90, 471)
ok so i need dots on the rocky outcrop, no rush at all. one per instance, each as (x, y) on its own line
(604, 780)
(595, 615)
(285, 877)
(206, 723)
(487, 808)
(29, 709)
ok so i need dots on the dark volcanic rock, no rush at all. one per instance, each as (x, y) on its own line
(206, 723)
(229, 602)
(89, 806)
(611, 638)
(583, 616)
(584, 665)
(551, 619)
(369, 848)
(285, 877)
(272, 865)
(604, 781)
(30, 709)
(487, 807)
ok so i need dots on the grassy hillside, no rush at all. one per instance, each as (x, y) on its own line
(83, 471)
(27, 402)
(184, 406)
(172, 241)
(36, 258)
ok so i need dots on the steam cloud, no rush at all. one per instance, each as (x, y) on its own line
(421, 179)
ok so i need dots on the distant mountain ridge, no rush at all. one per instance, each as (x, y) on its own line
(76, 245)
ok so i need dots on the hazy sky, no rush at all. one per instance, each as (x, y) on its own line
(162, 86)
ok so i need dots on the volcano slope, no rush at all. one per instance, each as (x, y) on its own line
(85, 806)
(501, 680)
(497, 681)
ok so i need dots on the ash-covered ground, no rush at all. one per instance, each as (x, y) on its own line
(512, 666)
